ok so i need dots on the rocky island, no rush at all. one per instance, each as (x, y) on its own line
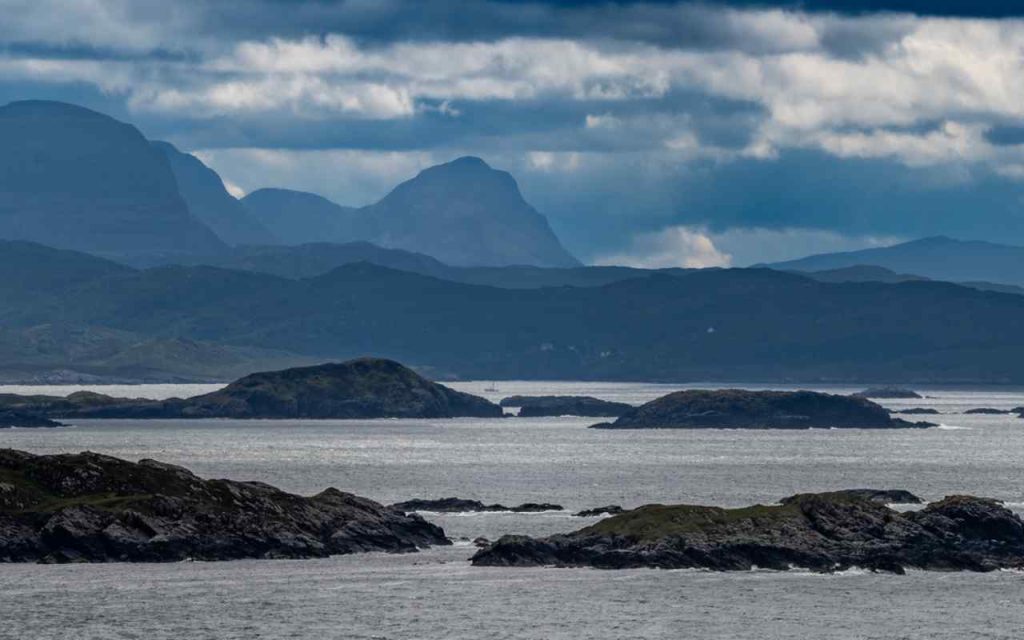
(554, 406)
(88, 507)
(741, 409)
(461, 505)
(357, 389)
(820, 532)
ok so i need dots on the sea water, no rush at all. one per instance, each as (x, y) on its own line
(438, 594)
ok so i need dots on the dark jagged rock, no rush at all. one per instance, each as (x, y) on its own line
(987, 411)
(882, 496)
(889, 393)
(610, 510)
(481, 542)
(460, 505)
(918, 411)
(544, 406)
(88, 507)
(10, 419)
(363, 388)
(820, 532)
(741, 409)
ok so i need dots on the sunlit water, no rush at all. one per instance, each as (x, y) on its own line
(437, 594)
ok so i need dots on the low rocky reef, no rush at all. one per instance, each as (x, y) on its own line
(460, 505)
(889, 393)
(18, 419)
(821, 532)
(917, 411)
(609, 510)
(741, 409)
(553, 406)
(881, 496)
(364, 388)
(89, 507)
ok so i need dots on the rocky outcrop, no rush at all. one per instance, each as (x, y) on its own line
(358, 389)
(918, 411)
(820, 532)
(888, 393)
(460, 505)
(93, 508)
(741, 409)
(545, 406)
(988, 411)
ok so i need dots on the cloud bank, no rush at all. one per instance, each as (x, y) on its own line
(644, 130)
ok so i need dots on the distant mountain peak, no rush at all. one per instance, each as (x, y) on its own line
(93, 183)
(465, 212)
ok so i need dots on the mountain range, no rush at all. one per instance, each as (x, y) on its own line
(463, 213)
(77, 179)
(937, 258)
(692, 325)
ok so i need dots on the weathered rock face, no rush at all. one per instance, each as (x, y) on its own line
(893, 393)
(821, 532)
(92, 508)
(362, 388)
(544, 406)
(741, 409)
(461, 505)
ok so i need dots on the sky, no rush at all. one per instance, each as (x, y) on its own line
(649, 133)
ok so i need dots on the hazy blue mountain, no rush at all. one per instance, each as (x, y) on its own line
(463, 213)
(77, 179)
(868, 273)
(938, 258)
(728, 324)
(466, 213)
(208, 200)
(308, 260)
(31, 271)
(314, 259)
(297, 217)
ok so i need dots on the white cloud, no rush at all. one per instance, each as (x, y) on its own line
(697, 247)
(909, 73)
(678, 246)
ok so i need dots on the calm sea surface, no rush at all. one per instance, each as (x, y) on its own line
(437, 594)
